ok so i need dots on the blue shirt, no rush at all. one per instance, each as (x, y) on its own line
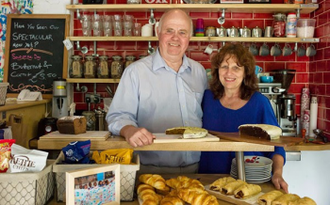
(152, 95)
(257, 110)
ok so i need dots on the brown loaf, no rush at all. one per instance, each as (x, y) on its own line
(71, 125)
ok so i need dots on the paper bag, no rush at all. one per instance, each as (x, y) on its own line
(18, 129)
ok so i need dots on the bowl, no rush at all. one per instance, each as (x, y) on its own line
(266, 79)
(305, 28)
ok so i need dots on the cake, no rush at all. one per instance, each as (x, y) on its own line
(262, 131)
(188, 132)
(71, 125)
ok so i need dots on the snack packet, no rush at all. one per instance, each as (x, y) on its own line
(5, 149)
(77, 152)
(121, 156)
(26, 160)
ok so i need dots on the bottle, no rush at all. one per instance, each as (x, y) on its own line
(103, 67)
(90, 67)
(76, 68)
(279, 25)
(291, 25)
(116, 67)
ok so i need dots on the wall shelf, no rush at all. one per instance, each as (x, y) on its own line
(255, 8)
(92, 80)
(196, 39)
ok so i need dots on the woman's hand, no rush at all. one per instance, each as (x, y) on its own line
(136, 136)
(279, 182)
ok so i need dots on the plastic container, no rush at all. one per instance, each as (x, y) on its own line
(291, 25)
(305, 28)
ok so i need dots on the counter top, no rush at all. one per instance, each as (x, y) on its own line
(25, 104)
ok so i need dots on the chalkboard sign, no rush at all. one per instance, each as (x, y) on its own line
(35, 54)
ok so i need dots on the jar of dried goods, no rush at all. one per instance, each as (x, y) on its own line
(117, 67)
(90, 67)
(103, 70)
(76, 68)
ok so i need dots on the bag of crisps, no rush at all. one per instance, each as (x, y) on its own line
(5, 150)
(120, 156)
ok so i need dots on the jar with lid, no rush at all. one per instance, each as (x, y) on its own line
(90, 67)
(103, 67)
(291, 25)
(129, 60)
(76, 68)
(117, 67)
(279, 25)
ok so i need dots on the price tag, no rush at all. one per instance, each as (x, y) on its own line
(67, 43)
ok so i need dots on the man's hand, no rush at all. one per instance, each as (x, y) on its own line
(136, 136)
(279, 182)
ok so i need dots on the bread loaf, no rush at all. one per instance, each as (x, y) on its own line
(262, 131)
(71, 125)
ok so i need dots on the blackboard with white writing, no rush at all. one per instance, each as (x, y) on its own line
(35, 54)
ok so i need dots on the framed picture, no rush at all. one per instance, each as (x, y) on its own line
(99, 185)
(231, 1)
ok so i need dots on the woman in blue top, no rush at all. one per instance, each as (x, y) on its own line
(233, 100)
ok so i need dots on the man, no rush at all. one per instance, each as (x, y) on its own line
(158, 92)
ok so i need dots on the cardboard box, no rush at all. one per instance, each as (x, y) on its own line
(27, 188)
(127, 177)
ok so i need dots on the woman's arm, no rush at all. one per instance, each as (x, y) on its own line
(277, 179)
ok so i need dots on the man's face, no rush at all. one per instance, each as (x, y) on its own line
(174, 35)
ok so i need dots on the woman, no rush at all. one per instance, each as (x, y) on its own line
(232, 100)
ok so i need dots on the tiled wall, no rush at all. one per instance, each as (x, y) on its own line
(313, 72)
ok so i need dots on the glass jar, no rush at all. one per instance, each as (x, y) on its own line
(103, 67)
(90, 67)
(76, 68)
(129, 60)
(117, 67)
(291, 25)
(279, 25)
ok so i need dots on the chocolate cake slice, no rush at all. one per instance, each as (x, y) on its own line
(262, 131)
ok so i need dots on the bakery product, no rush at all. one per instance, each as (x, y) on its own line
(246, 191)
(285, 199)
(219, 183)
(71, 125)
(230, 187)
(269, 197)
(155, 181)
(262, 131)
(188, 132)
(303, 201)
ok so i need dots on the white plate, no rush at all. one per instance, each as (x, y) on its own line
(258, 161)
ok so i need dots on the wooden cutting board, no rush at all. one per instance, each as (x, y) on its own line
(230, 198)
(92, 135)
(281, 142)
(163, 138)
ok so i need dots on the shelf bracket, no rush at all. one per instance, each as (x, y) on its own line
(221, 19)
(95, 48)
(152, 19)
(295, 47)
(298, 13)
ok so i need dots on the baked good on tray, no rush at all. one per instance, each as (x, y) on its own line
(303, 201)
(230, 187)
(262, 131)
(246, 191)
(285, 199)
(219, 183)
(188, 132)
(71, 125)
(267, 198)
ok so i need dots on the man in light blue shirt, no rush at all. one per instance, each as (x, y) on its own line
(158, 92)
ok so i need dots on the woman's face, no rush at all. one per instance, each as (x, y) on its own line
(231, 75)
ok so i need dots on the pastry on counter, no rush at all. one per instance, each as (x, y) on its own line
(246, 191)
(184, 182)
(303, 201)
(229, 188)
(285, 199)
(262, 131)
(155, 181)
(269, 197)
(219, 183)
(188, 132)
(171, 200)
(148, 195)
(197, 197)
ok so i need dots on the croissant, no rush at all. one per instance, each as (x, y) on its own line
(173, 182)
(219, 183)
(148, 195)
(154, 180)
(183, 182)
(171, 200)
(187, 194)
(195, 198)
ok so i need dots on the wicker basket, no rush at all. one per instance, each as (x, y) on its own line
(3, 93)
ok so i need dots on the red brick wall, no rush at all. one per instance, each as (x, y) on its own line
(310, 72)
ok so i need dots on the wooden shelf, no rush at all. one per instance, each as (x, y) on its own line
(245, 8)
(196, 39)
(92, 80)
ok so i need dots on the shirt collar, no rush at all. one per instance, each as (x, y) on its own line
(158, 62)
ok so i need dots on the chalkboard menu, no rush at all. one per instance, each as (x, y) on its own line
(35, 54)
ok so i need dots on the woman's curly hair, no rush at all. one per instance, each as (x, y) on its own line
(243, 58)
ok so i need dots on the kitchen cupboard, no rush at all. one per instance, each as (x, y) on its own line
(219, 8)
